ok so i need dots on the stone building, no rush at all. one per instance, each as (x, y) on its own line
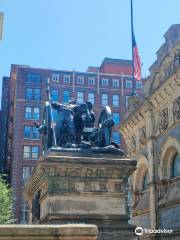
(110, 84)
(152, 133)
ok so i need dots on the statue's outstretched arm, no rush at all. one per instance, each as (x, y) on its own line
(56, 105)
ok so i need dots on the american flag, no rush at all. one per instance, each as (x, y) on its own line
(136, 60)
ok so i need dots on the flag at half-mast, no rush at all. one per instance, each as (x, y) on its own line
(136, 59)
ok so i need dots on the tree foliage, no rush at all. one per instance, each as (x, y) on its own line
(5, 202)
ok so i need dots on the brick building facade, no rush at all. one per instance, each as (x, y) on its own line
(110, 84)
(4, 123)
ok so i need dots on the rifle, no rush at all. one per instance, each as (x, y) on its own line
(51, 114)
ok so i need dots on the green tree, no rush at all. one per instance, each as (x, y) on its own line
(5, 202)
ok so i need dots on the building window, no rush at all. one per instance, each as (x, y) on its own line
(127, 101)
(67, 79)
(33, 78)
(27, 152)
(128, 84)
(115, 83)
(80, 97)
(115, 100)
(91, 81)
(55, 77)
(91, 97)
(31, 132)
(32, 113)
(37, 94)
(29, 94)
(35, 152)
(104, 82)
(145, 182)
(28, 112)
(24, 216)
(36, 113)
(66, 96)
(138, 84)
(33, 94)
(116, 118)
(35, 133)
(27, 131)
(80, 80)
(116, 137)
(176, 166)
(54, 95)
(25, 174)
(104, 99)
(31, 152)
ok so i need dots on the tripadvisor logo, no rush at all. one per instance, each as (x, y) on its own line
(139, 231)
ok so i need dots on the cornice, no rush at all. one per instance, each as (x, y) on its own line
(161, 97)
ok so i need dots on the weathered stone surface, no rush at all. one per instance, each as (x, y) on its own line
(173, 236)
(48, 232)
(84, 188)
(172, 222)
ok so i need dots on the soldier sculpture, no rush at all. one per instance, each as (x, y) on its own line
(74, 128)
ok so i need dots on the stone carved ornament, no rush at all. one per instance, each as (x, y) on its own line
(142, 135)
(75, 186)
(176, 108)
(132, 145)
(163, 120)
(177, 58)
(171, 67)
(94, 173)
(168, 69)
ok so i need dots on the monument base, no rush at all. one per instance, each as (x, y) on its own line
(68, 187)
(109, 227)
(48, 232)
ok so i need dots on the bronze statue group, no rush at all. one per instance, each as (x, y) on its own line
(74, 127)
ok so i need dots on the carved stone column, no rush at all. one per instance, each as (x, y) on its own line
(152, 158)
(153, 161)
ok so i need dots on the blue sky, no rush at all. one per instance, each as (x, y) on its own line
(67, 34)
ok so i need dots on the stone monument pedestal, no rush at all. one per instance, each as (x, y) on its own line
(75, 187)
(48, 232)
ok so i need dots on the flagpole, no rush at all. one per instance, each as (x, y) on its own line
(132, 34)
(132, 39)
(122, 83)
(73, 87)
(98, 81)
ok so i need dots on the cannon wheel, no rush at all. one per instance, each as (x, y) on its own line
(47, 121)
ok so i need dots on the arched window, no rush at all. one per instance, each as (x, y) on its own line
(176, 166)
(145, 182)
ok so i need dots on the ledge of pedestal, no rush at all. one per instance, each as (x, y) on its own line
(49, 232)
